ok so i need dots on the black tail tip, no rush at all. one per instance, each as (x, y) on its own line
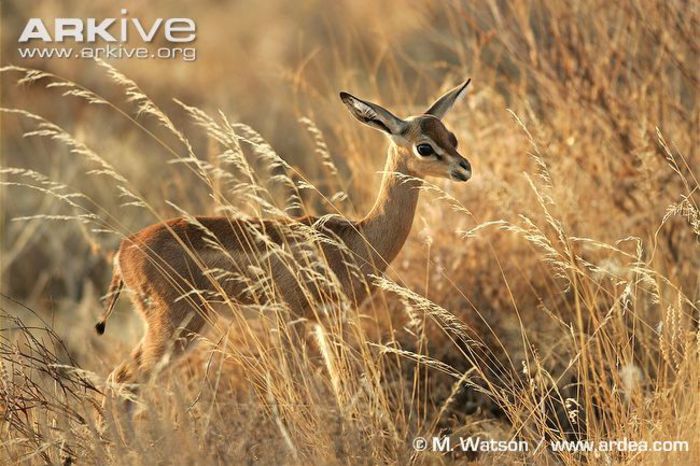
(100, 327)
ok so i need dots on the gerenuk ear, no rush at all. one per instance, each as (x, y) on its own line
(373, 115)
(443, 105)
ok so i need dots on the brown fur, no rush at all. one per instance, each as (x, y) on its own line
(168, 266)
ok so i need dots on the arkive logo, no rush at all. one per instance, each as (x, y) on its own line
(89, 30)
(115, 34)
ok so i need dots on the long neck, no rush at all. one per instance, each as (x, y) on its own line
(388, 223)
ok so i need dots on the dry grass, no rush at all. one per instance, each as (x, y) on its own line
(553, 296)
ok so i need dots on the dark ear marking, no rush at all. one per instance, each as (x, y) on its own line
(442, 105)
(378, 123)
(372, 114)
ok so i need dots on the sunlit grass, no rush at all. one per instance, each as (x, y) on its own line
(553, 296)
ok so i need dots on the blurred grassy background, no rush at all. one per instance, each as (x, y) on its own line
(605, 80)
(580, 97)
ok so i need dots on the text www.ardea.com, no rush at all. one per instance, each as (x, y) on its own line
(477, 444)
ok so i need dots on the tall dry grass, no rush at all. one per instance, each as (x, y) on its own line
(553, 296)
